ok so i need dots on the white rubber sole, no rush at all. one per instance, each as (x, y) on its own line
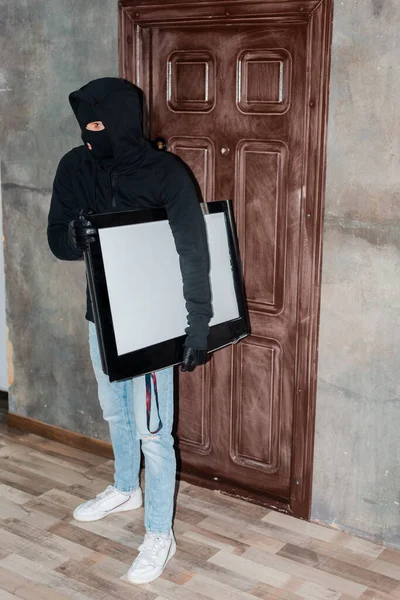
(171, 553)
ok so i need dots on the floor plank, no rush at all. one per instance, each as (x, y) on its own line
(226, 548)
(113, 587)
(312, 574)
(17, 585)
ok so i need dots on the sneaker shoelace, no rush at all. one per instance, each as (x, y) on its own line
(150, 548)
(106, 493)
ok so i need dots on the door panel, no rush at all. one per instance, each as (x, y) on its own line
(199, 154)
(190, 81)
(255, 414)
(261, 184)
(232, 99)
(264, 81)
(194, 417)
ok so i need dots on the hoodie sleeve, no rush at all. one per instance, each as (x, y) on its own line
(63, 210)
(187, 224)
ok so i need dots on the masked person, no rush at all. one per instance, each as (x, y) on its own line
(117, 170)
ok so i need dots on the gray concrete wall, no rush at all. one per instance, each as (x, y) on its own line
(48, 48)
(357, 455)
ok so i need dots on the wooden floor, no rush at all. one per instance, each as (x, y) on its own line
(227, 549)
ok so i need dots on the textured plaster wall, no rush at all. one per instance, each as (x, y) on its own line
(357, 455)
(48, 48)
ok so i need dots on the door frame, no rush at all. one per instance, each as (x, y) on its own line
(135, 19)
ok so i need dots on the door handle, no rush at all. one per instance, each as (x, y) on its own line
(225, 150)
(160, 143)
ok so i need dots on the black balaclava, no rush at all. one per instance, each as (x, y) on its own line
(99, 140)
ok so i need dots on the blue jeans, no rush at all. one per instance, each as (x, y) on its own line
(124, 408)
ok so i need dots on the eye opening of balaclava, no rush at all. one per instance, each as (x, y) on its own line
(99, 140)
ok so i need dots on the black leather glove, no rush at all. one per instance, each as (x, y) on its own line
(192, 358)
(81, 233)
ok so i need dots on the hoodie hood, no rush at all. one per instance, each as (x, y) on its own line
(118, 104)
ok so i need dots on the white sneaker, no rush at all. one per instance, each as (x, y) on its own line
(108, 502)
(154, 554)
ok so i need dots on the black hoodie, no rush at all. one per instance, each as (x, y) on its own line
(139, 177)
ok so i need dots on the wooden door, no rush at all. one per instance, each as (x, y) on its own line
(238, 90)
